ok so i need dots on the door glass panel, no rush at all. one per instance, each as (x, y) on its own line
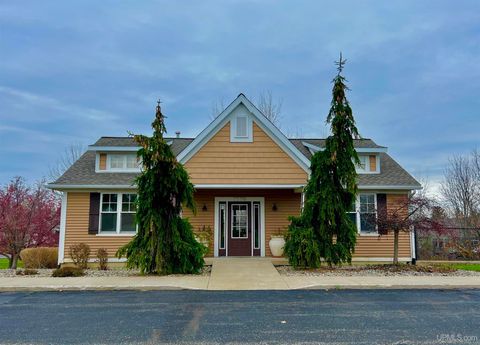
(239, 221)
(256, 226)
(222, 226)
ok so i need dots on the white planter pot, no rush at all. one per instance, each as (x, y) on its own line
(276, 245)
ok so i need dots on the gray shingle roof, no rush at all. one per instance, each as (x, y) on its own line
(83, 172)
(178, 144)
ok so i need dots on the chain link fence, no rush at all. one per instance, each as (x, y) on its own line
(452, 244)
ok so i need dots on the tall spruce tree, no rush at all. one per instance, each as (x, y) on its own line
(164, 243)
(324, 229)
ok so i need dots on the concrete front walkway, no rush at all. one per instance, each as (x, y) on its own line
(245, 274)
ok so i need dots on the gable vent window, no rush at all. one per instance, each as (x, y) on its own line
(241, 129)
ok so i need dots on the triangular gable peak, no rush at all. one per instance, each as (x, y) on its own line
(239, 108)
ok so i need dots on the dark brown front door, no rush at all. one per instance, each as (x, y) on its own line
(239, 229)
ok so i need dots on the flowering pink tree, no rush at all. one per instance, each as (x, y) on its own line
(404, 215)
(29, 217)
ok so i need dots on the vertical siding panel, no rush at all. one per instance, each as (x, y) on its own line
(102, 164)
(373, 162)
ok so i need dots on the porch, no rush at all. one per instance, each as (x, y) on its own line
(242, 221)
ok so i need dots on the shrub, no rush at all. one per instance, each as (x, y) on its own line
(26, 272)
(40, 257)
(102, 256)
(80, 253)
(301, 246)
(68, 272)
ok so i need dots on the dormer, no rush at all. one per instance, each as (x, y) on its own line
(116, 159)
(117, 162)
(368, 153)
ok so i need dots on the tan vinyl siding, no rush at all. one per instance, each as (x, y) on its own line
(102, 163)
(373, 162)
(261, 162)
(78, 206)
(287, 202)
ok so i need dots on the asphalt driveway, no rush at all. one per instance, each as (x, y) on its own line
(270, 317)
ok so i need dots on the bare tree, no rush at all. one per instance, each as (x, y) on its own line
(217, 107)
(267, 105)
(461, 189)
(69, 156)
(476, 164)
(270, 107)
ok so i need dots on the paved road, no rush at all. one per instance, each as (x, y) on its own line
(270, 317)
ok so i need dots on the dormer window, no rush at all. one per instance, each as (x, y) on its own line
(119, 162)
(369, 164)
(362, 167)
(241, 129)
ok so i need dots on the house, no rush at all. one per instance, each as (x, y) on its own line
(249, 179)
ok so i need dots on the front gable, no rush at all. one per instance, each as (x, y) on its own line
(242, 147)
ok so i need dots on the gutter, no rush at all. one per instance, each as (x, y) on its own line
(88, 186)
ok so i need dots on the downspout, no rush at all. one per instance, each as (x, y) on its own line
(415, 247)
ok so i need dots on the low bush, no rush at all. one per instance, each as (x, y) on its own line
(80, 253)
(68, 272)
(26, 272)
(301, 246)
(102, 256)
(40, 257)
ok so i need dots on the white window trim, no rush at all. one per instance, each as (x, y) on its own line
(248, 138)
(118, 230)
(357, 215)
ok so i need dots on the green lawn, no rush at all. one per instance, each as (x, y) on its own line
(4, 264)
(463, 266)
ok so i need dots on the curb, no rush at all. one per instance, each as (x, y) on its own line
(177, 288)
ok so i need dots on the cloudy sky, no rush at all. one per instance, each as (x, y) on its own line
(72, 71)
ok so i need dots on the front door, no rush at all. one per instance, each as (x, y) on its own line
(239, 229)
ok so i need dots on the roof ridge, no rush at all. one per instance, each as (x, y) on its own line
(325, 139)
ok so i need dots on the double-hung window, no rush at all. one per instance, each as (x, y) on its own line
(364, 213)
(118, 213)
(127, 222)
(368, 213)
(108, 222)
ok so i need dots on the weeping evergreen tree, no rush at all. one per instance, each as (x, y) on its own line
(324, 229)
(164, 243)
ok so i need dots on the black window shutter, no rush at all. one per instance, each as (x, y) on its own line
(94, 216)
(382, 213)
